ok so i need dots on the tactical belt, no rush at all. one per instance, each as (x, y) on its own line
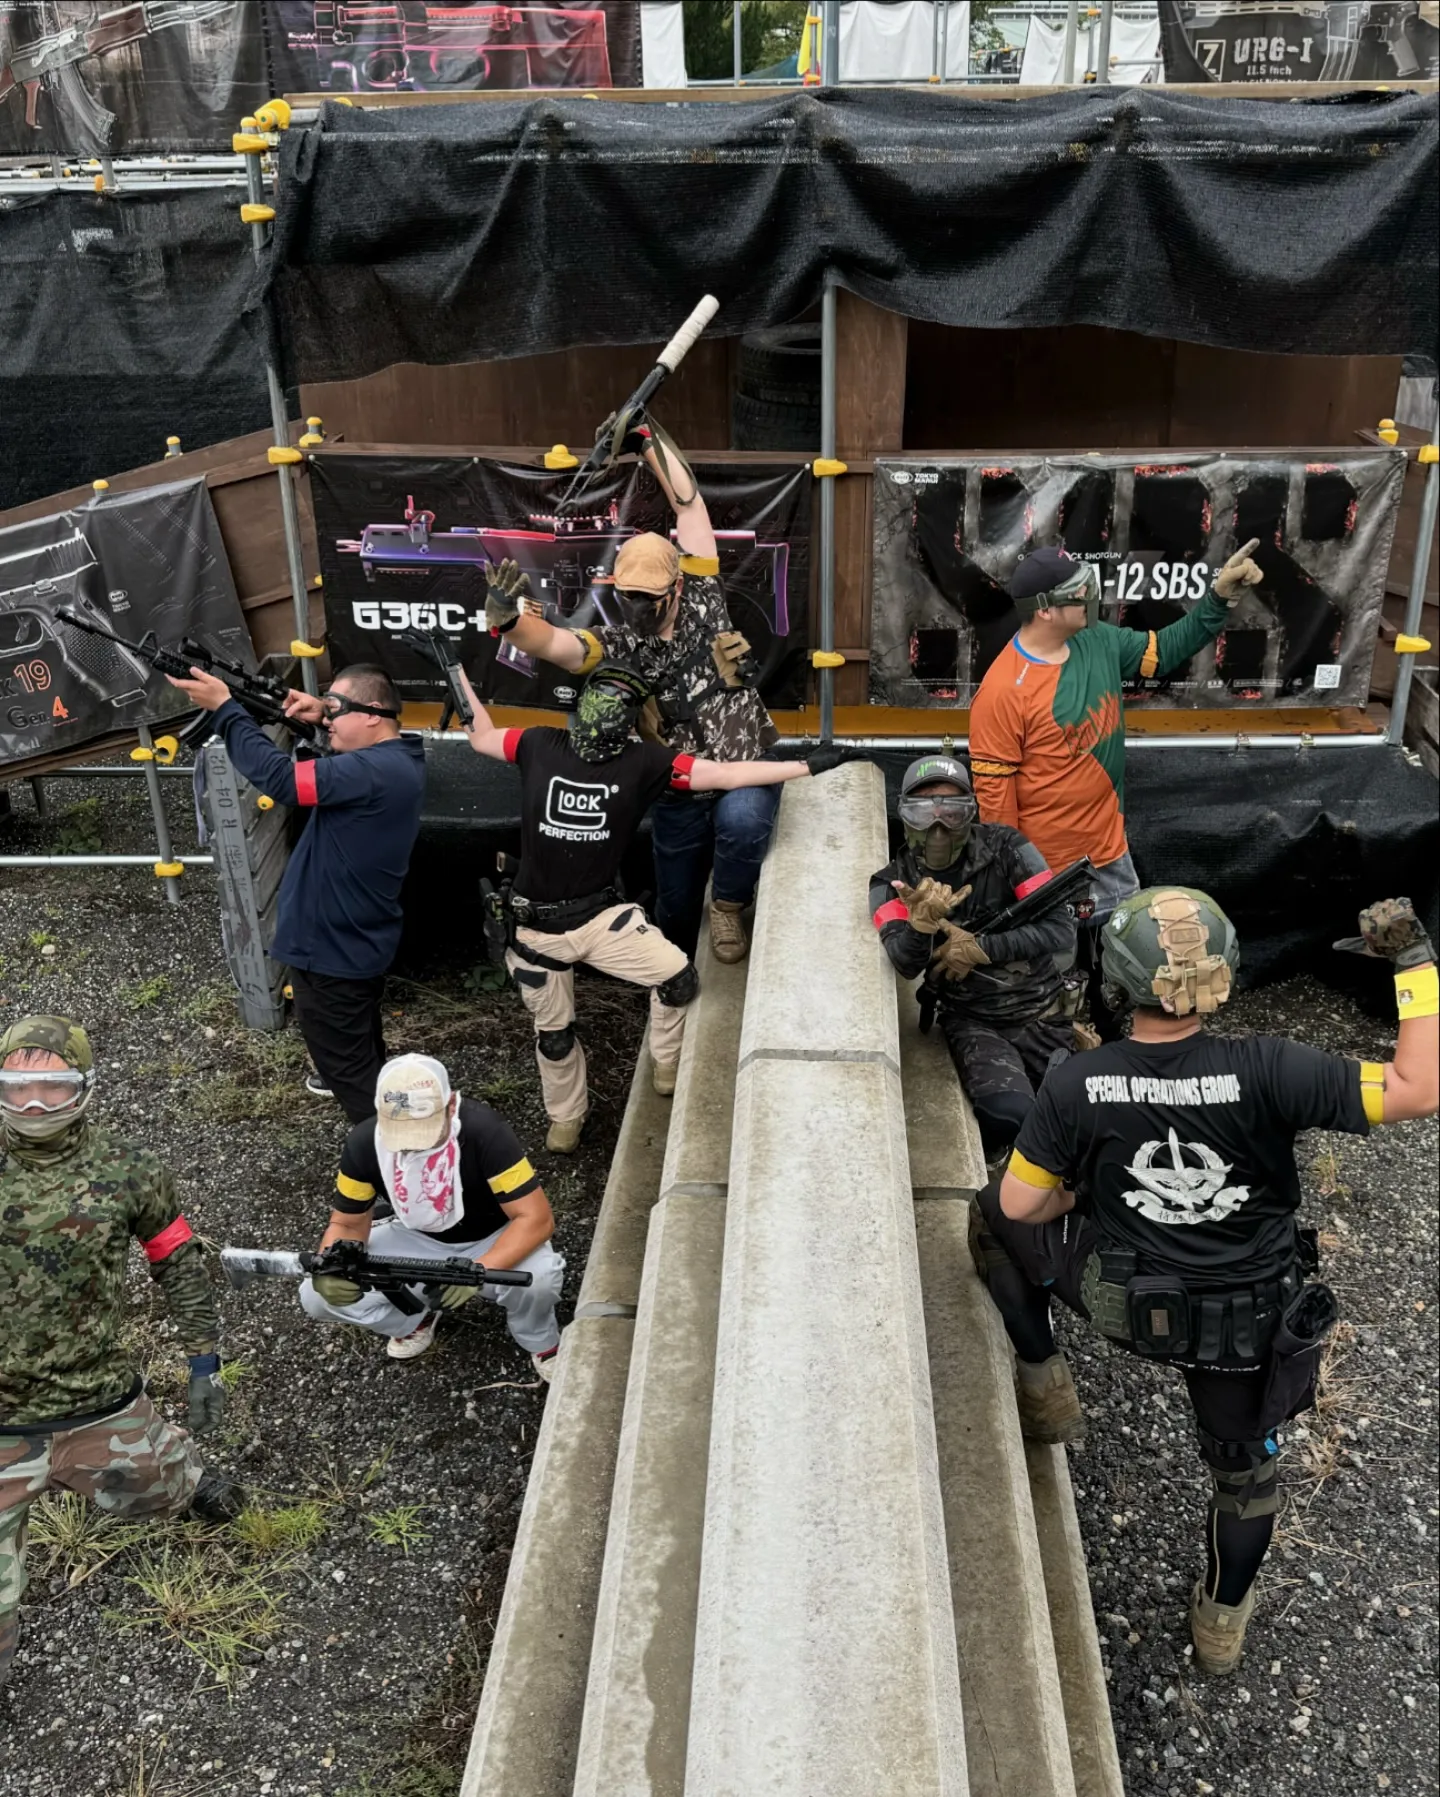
(1160, 1316)
(566, 914)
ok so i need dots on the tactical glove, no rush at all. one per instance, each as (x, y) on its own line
(208, 1396)
(637, 438)
(339, 1292)
(1390, 931)
(958, 953)
(729, 650)
(929, 903)
(827, 757)
(447, 1297)
(1238, 573)
(506, 590)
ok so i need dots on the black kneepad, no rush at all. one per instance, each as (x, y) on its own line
(680, 988)
(555, 1045)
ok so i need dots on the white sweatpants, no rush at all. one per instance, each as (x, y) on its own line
(529, 1309)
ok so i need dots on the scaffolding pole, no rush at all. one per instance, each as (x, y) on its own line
(1102, 56)
(1072, 32)
(1419, 574)
(827, 470)
(737, 50)
(830, 53)
(167, 868)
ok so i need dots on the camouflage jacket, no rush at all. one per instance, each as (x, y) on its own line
(67, 1214)
(728, 723)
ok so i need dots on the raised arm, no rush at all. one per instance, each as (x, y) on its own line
(485, 737)
(1159, 651)
(693, 529)
(507, 614)
(1408, 1086)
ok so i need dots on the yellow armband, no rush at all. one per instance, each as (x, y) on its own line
(1417, 992)
(1372, 1091)
(594, 651)
(1031, 1175)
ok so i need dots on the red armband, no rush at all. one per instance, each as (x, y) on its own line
(892, 911)
(510, 743)
(1034, 883)
(305, 793)
(680, 772)
(172, 1236)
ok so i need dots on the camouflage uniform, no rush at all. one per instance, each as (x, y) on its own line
(73, 1413)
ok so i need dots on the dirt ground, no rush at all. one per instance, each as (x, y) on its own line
(333, 1644)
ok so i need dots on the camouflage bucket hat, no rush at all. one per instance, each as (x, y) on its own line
(56, 1035)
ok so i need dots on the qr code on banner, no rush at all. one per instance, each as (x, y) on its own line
(1327, 674)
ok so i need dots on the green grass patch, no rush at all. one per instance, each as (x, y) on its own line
(75, 1538)
(148, 992)
(284, 1529)
(222, 1611)
(399, 1526)
(78, 829)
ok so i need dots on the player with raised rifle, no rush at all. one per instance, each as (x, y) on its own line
(436, 647)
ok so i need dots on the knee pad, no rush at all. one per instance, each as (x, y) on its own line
(1243, 1474)
(680, 988)
(556, 1045)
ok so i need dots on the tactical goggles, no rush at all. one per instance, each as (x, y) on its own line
(24, 1089)
(1080, 588)
(952, 809)
(337, 704)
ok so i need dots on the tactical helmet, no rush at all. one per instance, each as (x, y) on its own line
(1169, 948)
(606, 711)
(936, 830)
(1053, 577)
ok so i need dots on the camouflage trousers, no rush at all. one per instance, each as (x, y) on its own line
(1001, 1066)
(132, 1463)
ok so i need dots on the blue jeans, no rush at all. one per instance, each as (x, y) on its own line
(688, 835)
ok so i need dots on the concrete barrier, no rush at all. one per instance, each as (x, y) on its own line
(946, 1159)
(697, 1153)
(611, 1286)
(825, 1644)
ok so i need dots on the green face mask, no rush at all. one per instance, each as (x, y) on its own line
(600, 724)
(938, 847)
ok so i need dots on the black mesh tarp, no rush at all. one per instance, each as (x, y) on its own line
(448, 233)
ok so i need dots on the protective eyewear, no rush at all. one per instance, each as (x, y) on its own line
(25, 1089)
(952, 809)
(337, 704)
(1080, 588)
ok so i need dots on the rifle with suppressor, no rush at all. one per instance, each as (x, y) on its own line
(352, 1261)
(435, 646)
(256, 692)
(1063, 888)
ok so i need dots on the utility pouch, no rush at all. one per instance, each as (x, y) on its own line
(496, 923)
(1307, 1250)
(1103, 1283)
(1159, 1316)
(1295, 1355)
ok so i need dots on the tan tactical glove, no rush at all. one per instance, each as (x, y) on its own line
(648, 723)
(728, 650)
(1238, 573)
(1390, 931)
(929, 903)
(506, 590)
(957, 953)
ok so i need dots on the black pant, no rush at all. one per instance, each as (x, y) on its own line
(340, 1021)
(1001, 1067)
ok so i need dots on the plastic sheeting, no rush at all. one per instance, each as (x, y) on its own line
(1134, 53)
(897, 42)
(662, 43)
(450, 233)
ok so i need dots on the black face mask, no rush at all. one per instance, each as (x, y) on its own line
(645, 613)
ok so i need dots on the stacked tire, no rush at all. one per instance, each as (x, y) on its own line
(776, 404)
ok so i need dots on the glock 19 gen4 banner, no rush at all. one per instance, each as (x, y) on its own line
(132, 564)
(404, 544)
(1305, 40)
(949, 534)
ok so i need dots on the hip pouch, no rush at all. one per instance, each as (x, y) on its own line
(1295, 1355)
(1158, 1312)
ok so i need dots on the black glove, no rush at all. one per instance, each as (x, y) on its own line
(832, 755)
(1390, 931)
(208, 1396)
(637, 436)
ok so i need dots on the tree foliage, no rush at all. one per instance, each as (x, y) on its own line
(769, 32)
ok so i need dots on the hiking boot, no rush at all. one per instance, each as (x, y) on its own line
(217, 1498)
(663, 1078)
(408, 1347)
(316, 1086)
(544, 1364)
(564, 1138)
(1218, 1631)
(1048, 1402)
(727, 933)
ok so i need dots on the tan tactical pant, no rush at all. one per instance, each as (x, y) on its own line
(621, 941)
(133, 1463)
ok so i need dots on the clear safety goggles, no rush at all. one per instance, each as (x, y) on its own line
(41, 1091)
(1080, 588)
(952, 809)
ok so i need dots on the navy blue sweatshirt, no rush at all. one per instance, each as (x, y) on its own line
(339, 910)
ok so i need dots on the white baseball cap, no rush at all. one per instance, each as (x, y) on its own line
(411, 1096)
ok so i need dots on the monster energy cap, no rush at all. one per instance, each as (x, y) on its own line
(934, 767)
(410, 1099)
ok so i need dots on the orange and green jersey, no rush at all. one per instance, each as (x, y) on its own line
(1047, 739)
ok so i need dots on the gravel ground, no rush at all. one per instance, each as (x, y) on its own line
(389, 1494)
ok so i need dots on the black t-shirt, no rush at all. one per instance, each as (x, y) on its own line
(578, 817)
(1185, 1151)
(494, 1170)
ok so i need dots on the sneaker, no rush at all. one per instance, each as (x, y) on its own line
(544, 1364)
(316, 1086)
(1048, 1402)
(564, 1138)
(217, 1498)
(663, 1078)
(727, 933)
(407, 1347)
(1218, 1631)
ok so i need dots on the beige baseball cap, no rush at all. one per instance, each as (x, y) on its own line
(647, 564)
(411, 1096)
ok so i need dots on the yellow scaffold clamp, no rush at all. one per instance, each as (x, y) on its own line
(165, 750)
(168, 870)
(172, 448)
(282, 458)
(1387, 432)
(824, 468)
(264, 802)
(827, 658)
(1411, 645)
(306, 651)
(274, 115)
(245, 143)
(99, 486)
(1428, 454)
(314, 433)
(558, 456)
(256, 215)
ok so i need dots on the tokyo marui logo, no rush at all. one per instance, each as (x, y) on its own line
(1187, 1191)
(577, 808)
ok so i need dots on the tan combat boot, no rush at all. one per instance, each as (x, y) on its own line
(663, 1077)
(564, 1138)
(1048, 1402)
(727, 933)
(1218, 1631)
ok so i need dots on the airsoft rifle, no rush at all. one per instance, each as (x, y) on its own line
(352, 1261)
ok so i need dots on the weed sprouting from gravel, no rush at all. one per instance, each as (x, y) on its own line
(222, 1611)
(75, 1538)
(287, 1528)
(146, 993)
(400, 1526)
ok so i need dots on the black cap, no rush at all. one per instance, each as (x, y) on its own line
(1042, 572)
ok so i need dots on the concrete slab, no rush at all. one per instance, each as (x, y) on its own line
(828, 992)
(611, 1286)
(637, 1705)
(825, 1646)
(528, 1723)
(1015, 1736)
(946, 1159)
(1094, 1757)
(697, 1155)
